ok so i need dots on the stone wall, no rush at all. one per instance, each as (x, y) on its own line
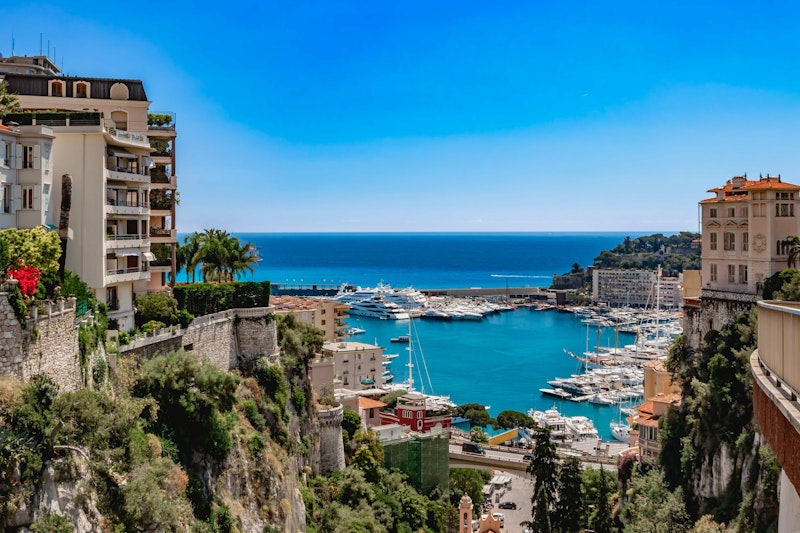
(213, 338)
(256, 333)
(48, 346)
(712, 314)
(331, 447)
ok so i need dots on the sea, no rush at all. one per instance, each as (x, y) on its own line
(501, 361)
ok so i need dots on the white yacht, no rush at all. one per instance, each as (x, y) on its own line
(377, 308)
(620, 431)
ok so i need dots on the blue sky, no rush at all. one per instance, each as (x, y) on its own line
(447, 116)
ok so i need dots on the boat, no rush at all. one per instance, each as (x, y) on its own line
(560, 393)
(620, 431)
(377, 308)
(402, 338)
(582, 428)
(555, 422)
(355, 331)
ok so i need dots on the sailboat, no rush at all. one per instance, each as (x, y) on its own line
(417, 358)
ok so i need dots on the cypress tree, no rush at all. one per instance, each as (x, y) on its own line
(569, 508)
(601, 521)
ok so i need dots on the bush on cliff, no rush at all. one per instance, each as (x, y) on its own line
(206, 298)
(156, 306)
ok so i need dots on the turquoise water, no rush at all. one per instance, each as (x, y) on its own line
(501, 361)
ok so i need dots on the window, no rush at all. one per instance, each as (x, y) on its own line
(712, 212)
(6, 200)
(5, 153)
(111, 299)
(27, 156)
(713, 272)
(730, 241)
(784, 196)
(745, 241)
(744, 212)
(743, 274)
(81, 90)
(731, 212)
(784, 210)
(57, 89)
(27, 197)
(713, 240)
(731, 273)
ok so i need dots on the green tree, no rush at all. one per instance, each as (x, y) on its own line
(544, 466)
(369, 455)
(541, 512)
(600, 520)
(652, 507)
(467, 481)
(37, 247)
(188, 252)
(569, 507)
(478, 435)
(792, 245)
(475, 413)
(156, 306)
(509, 419)
(351, 422)
(8, 102)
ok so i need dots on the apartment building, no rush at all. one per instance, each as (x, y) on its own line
(329, 316)
(124, 183)
(109, 242)
(743, 227)
(357, 365)
(633, 288)
(26, 176)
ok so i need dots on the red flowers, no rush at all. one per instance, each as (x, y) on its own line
(28, 278)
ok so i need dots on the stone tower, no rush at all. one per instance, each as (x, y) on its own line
(465, 515)
(331, 447)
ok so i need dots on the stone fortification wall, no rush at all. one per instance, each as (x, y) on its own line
(331, 447)
(256, 332)
(48, 346)
(213, 338)
(714, 312)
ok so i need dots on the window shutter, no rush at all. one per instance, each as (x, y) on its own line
(19, 156)
(17, 203)
(37, 197)
(37, 153)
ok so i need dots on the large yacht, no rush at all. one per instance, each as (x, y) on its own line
(376, 307)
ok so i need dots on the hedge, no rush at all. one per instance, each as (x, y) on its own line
(206, 298)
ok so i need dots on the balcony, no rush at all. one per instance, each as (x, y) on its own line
(165, 236)
(131, 240)
(776, 384)
(123, 207)
(126, 175)
(128, 137)
(162, 181)
(127, 274)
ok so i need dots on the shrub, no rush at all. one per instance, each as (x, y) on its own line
(252, 414)
(5, 257)
(36, 247)
(153, 325)
(206, 298)
(17, 302)
(99, 370)
(158, 307)
(52, 523)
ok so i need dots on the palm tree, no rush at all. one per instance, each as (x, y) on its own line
(243, 258)
(792, 247)
(213, 254)
(188, 251)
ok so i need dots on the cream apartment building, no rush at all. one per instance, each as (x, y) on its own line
(357, 365)
(124, 107)
(633, 288)
(743, 227)
(109, 242)
(26, 176)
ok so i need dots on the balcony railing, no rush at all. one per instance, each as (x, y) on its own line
(128, 237)
(164, 204)
(779, 340)
(127, 135)
(160, 232)
(131, 270)
(126, 203)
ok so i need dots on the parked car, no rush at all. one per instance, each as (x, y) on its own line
(472, 447)
(527, 457)
(507, 505)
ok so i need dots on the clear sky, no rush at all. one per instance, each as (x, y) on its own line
(446, 115)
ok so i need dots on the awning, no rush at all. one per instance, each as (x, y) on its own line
(118, 151)
(127, 252)
(149, 256)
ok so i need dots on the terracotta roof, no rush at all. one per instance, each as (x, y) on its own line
(4, 128)
(369, 403)
(761, 184)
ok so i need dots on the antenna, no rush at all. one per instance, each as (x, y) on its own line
(40, 43)
(12, 44)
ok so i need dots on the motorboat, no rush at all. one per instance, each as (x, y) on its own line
(402, 338)
(377, 308)
(559, 393)
(355, 331)
(620, 431)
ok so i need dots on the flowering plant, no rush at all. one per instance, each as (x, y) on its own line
(28, 278)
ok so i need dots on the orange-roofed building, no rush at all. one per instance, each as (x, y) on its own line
(744, 226)
(367, 408)
(645, 423)
(330, 317)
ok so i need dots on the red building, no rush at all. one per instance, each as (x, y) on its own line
(413, 412)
